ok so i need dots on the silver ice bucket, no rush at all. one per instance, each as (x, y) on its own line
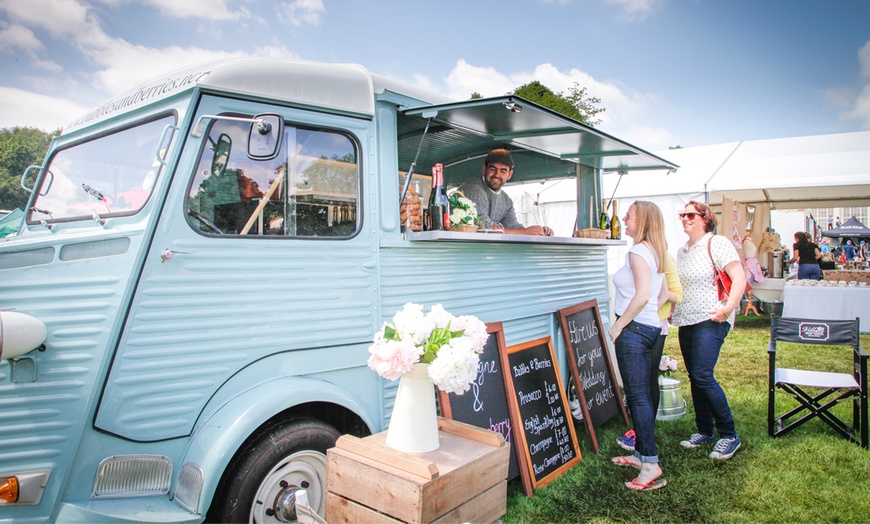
(671, 403)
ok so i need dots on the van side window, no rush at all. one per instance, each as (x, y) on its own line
(310, 190)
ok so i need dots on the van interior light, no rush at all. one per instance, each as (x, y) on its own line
(8, 490)
(19, 333)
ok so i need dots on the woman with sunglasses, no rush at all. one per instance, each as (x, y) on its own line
(704, 322)
(640, 287)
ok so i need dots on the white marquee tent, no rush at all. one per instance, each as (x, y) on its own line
(787, 173)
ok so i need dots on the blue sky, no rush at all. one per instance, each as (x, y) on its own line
(668, 72)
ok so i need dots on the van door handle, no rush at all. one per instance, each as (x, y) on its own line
(167, 254)
(369, 264)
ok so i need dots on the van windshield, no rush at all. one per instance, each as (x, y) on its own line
(112, 175)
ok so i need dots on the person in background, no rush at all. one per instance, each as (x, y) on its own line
(864, 249)
(704, 322)
(639, 286)
(495, 206)
(673, 296)
(825, 247)
(849, 251)
(807, 255)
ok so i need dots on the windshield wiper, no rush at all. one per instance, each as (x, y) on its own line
(42, 221)
(99, 196)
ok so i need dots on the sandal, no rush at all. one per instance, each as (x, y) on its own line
(624, 461)
(636, 485)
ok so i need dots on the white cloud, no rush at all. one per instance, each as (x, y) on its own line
(19, 37)
(58, 17)
(44, 112)
(465, 79)
(127, 65)
(205, 9)
(299, 12)
(637, 9)
(624, 110)
(855, 106)
(862, 103)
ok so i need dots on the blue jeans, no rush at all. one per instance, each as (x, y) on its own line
(809, 271)
(700, 344)
(634, 349)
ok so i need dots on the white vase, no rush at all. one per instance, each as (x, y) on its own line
(414, 424)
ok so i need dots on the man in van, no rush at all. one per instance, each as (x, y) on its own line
(494, 205)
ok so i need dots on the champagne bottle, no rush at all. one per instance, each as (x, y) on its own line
(439, 206)
(615, 224)
(604, 223)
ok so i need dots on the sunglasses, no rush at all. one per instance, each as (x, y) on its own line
(691, 216)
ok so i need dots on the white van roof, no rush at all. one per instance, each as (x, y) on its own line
(347, 88)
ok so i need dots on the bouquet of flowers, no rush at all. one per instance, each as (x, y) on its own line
(463, 210)
(450, 345)
(666, 365)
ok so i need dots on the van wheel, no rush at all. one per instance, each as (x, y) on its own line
(283, 457)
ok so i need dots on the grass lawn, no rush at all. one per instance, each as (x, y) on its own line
(810, 475)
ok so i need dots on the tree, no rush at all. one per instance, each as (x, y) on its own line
(20, 147)
(576, 104)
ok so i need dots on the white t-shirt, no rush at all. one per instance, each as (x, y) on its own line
(623, 283)
(696, 277)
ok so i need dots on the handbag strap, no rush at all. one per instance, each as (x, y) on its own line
(709, 254)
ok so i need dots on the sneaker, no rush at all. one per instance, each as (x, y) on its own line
(725, 448)
(696, 440)
(626, 441)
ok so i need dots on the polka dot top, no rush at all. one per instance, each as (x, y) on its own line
(696, 277)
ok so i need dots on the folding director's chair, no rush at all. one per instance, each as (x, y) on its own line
(828, 388)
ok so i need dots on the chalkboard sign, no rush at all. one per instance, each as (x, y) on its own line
(540, 408)
(485, 405)
(591, 367)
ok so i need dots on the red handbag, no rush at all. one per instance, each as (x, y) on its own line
(721, 280)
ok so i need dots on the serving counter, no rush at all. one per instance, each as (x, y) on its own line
(504, 238)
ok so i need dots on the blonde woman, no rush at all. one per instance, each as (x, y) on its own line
(640, 287)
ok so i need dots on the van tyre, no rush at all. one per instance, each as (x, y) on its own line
(280, 456)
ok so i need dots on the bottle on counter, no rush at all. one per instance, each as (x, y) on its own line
(615, 224)
(439, 206)
(604, 222)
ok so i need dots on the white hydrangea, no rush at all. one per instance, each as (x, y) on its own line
(474, 329)
(455, 367)
(399, 344)
(411, 321)
(440, 317)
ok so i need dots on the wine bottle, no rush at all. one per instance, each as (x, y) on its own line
(615, 224)
(604, 223)
(439, 206)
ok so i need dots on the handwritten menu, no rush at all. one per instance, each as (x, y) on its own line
(591, 367)
(485, 405)
(537, 398)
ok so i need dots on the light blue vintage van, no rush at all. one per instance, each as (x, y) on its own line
(204, 261)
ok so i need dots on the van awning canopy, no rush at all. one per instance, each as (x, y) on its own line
(544, 144)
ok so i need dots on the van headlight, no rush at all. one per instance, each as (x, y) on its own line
(19, 333)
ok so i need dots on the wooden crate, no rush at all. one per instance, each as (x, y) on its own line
(464, 480)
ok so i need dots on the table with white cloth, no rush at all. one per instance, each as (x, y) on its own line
(828, 303)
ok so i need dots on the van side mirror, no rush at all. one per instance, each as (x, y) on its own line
(264, 139)
(222, 149)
